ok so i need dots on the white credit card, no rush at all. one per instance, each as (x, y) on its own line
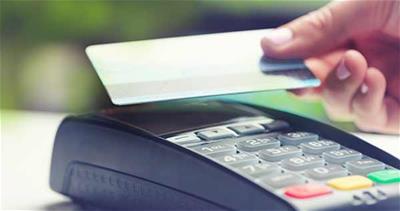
(193, 66)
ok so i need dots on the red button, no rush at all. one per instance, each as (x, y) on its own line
(307, 191)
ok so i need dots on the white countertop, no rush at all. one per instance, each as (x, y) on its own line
(26, 146)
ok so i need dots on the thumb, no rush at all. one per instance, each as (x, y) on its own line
(316, 32)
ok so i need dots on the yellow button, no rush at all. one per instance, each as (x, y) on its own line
(350, 182)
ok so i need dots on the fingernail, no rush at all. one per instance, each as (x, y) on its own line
(364, 88)
(342, 72)
(279, 36)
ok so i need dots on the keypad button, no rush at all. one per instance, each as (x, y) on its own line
(307, 191)
(214, 134)
(296, 138)
(278, 154)
(302, 162)
(326, 172)
(215, 150)
(184, 139)
(385, 176)
(283, 180)
(276, 125)
(238, 159)
(364, 166)
(341, 156)
(350, 183)
(368, 197)
(318, 147)
(247, 129)
(259, 169)
(256, 144)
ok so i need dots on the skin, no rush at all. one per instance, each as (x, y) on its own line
(362, 35)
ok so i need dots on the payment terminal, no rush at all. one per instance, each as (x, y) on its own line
(211, 155)
(218, 156)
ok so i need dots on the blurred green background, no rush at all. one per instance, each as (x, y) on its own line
(44, 67)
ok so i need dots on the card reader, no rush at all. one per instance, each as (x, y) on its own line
(218, 156)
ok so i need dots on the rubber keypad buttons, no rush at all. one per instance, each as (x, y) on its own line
(307, 191)
(385, 176)
(350, 183)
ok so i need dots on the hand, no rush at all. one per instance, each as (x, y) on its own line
(353, 47)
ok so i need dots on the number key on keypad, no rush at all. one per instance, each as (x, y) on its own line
(296, 138)
(215, 150)
(327, 172)
(364, 166)
(256, 144)
(302, 162)
(238, 159)
(341, 156)
(318, 147)
(283, 180)
(277, 154)
(259, 169)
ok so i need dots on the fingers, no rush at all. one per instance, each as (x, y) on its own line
(370, 95)
(384, 121)
(320, 66)
(307, 35)
(342, 84)
(313, 33)
(393, 87)
(373, 112)
(354, 92)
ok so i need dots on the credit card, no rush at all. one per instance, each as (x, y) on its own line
(193, 66)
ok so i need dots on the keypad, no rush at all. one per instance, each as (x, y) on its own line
(326, 172)
(238, 159)
(350, 183)
(300, 164)
(364, 166)
(278, 154)
(307, 191)
(247, 129)
(185, 139)
(385, 176)
(283, 180)
(341, 156)
(214, 134)
(276, 125)
(259, 169)
(296, 138)
(256, 144)
(318, 147)
(215, 150)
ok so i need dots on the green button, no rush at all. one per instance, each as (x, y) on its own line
(385, 176)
